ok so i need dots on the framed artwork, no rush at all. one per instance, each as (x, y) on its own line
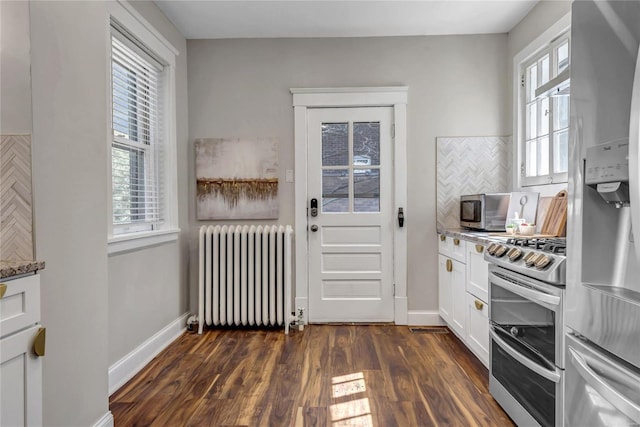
(237, 178)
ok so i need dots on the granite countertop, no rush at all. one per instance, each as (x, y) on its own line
(9, 269)
(480, 237)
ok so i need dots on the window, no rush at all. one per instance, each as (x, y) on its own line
(142, 136)
(544, 124)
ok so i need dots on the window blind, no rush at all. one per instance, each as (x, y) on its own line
(137, 136)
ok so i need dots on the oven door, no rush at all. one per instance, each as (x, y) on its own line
(526, 385)
(528, 310)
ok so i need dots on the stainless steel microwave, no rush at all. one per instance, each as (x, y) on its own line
(484, 211)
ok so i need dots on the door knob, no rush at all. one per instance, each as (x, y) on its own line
(314, 228)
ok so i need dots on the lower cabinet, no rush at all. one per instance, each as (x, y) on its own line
(451, 282)
(478, 331)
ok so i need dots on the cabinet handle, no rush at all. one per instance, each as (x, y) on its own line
(478, 304)
(39, 342)
(479, 248)
(456, 242)
(443, 237)
(449, 265)
(3, 289)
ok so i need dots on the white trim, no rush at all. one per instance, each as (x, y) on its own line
(105, 421)
(425, 318)
(304, 98)
(136, 241)
(124, 369)
(562, 25)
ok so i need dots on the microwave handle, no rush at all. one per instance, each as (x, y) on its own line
(634, 157)
(549, 375)
(551, 302)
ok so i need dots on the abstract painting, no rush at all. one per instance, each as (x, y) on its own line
(237, 178)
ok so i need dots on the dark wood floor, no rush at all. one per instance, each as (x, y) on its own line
(327, 375)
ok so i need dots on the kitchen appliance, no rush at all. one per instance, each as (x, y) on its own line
(526, 294)
(484, 211)
(602, 356)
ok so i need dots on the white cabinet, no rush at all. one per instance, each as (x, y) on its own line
(463, 277)
(20, 339)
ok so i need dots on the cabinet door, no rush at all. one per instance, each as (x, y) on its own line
(477, 272)
(21, 384)
(445, 289)
(478, 330)
(459, 310)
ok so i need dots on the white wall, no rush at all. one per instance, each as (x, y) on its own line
(95, 308)
(240, 88)
(15, 72)
(148, 288)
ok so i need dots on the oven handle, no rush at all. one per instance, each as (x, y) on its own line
(619, 401)
(551, 302)
(550, 375)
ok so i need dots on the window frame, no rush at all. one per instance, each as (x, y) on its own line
(546, 43)
(136, 237)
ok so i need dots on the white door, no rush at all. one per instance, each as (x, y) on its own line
(351, 238)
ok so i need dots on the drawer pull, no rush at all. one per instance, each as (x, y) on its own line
(39, 342)
(456, 242)
(443, 237)
(479, 304)
(3, 289)
(479, 248)
(449, 265)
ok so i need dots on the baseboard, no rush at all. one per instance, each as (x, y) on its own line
(124, 369)
(105, 421)
(424, 318)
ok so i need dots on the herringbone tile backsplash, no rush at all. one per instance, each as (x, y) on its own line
(469, 165)
(16, 221)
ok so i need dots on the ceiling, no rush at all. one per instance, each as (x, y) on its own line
(334, 18)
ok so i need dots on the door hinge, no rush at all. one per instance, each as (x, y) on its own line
(522, 82)
(394, 289)
(393, 130)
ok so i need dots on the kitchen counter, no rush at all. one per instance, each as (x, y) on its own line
(16, 268)
(479, 237)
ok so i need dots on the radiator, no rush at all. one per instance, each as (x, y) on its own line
(245, 276)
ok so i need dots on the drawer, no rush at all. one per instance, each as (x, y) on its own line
(20, 305)
(453, 247)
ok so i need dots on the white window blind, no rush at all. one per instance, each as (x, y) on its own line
(137, 135)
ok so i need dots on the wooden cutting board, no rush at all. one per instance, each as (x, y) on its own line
(555, 220)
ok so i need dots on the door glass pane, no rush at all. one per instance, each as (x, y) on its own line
(366, 190)
(366, 143)
(335, 144)
(533, 82)
(560, 112)
(544, 116)
(532, 156)
(560, 152)
(335, 190)
(543, 151)
(563, 57)
(544, 70)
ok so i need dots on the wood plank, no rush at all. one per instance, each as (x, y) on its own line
(380, 375)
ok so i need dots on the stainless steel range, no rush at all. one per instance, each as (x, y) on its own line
(526, 292)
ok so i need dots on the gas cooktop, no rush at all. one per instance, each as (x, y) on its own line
(542, 259)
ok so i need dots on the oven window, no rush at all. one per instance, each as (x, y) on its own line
(470, 211)
(535, 393)
(531, 323)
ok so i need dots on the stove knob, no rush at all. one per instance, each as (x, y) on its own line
(514, 254)
(542, 262)
(531, 258)
(501, 250)
(491, 249)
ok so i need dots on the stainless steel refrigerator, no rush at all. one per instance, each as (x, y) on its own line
(602, 355)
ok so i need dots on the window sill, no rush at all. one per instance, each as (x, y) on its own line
(137, 241)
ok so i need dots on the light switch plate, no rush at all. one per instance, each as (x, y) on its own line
(289, 175)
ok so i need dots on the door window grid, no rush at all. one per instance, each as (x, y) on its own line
(546, 119)
(351, 167)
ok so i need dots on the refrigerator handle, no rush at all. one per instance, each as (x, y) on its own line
(634, 157)
(622, 403)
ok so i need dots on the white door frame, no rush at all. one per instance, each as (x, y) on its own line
(305, 98)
